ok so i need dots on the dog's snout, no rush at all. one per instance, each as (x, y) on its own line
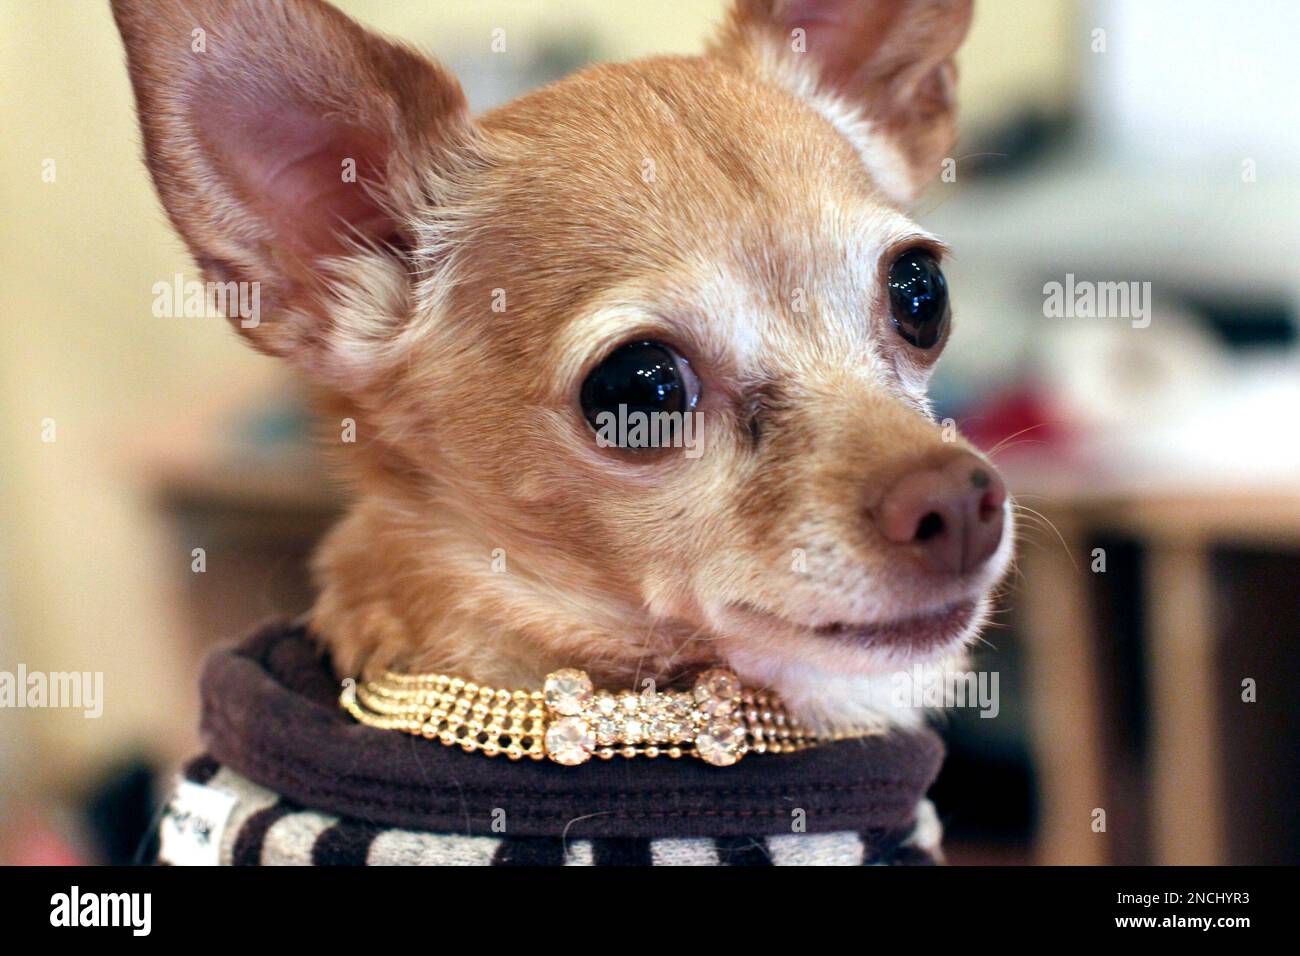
(950, 516)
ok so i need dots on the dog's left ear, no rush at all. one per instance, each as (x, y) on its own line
(293, 149)
(888, 61)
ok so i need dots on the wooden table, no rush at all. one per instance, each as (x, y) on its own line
(1176, 530)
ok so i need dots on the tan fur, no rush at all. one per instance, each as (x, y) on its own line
(471, 441)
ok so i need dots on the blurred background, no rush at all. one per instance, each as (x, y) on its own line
(1146, 650)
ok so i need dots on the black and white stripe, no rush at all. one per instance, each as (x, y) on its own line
(264, 829)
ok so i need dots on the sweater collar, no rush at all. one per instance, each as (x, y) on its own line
(270, 712)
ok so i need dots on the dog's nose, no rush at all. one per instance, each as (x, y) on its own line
(949, 515)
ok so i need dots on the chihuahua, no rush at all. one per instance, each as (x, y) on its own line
(717, 236)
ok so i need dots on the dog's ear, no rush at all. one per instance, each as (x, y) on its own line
(282, 136)
(890, 61)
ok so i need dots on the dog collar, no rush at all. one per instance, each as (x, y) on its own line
(568, 721)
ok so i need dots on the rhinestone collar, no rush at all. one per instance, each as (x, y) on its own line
(568, 721)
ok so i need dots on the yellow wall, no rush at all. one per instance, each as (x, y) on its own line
(83, 583)
(84, 572)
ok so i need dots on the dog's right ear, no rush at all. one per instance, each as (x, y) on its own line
(282, 135)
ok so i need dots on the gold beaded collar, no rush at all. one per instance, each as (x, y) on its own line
(568, 721)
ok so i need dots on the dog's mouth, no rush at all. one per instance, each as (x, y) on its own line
(920, 632)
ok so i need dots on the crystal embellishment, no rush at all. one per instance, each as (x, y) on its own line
(570, 741)
(567, 691)
(717, 692)
(607, 731)
(706, 720)
(722, 742)
(633, 731)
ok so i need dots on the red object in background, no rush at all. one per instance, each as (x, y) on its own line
(29, 839)
(1022, 421)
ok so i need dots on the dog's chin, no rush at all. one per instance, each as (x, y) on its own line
(916, 635)
(844, 674)
(897, 639)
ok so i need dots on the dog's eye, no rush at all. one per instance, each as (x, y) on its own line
(644, 377)
(918, 298)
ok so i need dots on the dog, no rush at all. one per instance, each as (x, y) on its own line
(719, 236)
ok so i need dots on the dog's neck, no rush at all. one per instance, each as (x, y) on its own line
(398, 590)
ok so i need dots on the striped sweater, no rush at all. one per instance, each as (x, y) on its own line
(290, 779)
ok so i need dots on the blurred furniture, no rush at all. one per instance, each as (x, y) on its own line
(258, 519)
(1192, 664)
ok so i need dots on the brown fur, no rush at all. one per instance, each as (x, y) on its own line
(470, 435)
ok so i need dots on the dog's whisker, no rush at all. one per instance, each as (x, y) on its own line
(1003, 443)
(1025, 509)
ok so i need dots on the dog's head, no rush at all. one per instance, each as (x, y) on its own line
(501, 302)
